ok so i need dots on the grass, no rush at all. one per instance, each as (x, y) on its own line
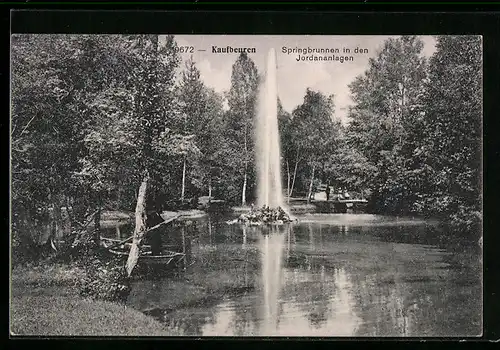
(69, 316)
(45, 302)
(45, 298)
(45, 275)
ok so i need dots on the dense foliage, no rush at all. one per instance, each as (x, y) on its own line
(92, 114)
(418, 126)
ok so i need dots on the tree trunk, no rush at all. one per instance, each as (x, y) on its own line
(209, 232)
(119, 197)
(209, 189)
(59, 233)
(244, 191)
(140, 225)
(183, 188)
(294, 176)
(69, 211)
(287, 181)
(97, 222)
(56, 232)
(310, 185)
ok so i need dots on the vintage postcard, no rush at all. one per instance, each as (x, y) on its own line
(246, 185)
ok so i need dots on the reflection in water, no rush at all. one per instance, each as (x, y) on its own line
(116, 229)
(346, 320)
(183, 233)
(271, 248)
(209, 231)
(118, 232)
(312, 279)
(344, 229)
(311, 236)
(288, 240)
(326, 310)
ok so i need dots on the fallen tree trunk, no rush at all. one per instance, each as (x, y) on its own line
(163, 223)
(140, 225)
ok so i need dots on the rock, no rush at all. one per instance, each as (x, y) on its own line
(264, 215)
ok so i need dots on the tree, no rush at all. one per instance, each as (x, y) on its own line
(193, 106)
(313, 132)
(212, 142)
(347, 165)
(156, 141)
(242, 109)
(451, 147)
(55, 80)
(40, 131)
(387, 100)
(286, 143)
(128, 135)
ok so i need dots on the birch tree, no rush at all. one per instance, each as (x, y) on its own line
(313, 131)
(242, 109)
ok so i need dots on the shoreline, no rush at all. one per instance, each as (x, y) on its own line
(45, 301)
(44, 297)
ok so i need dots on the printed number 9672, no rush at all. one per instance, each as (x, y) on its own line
(184, 49)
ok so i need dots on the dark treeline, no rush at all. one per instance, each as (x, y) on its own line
(412, 145)
(94, 116)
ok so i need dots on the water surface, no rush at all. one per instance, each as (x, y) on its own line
(329, 275)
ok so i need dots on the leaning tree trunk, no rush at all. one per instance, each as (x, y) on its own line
(310, 186)
(140, 225)
(294, 176)
(287, 181)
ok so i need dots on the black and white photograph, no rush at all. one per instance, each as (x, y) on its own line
(246, 185)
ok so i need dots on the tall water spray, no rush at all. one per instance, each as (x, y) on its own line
(269, 191)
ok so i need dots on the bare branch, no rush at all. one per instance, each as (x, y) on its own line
(24, 129)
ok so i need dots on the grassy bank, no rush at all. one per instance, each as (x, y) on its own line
(45, 301)
(45, 298)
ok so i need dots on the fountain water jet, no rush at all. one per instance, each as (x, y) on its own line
(270, 204)
(268, 157)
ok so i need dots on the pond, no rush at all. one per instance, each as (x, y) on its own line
(328, 275)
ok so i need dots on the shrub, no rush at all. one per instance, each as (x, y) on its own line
(105, 276)
(105, 279)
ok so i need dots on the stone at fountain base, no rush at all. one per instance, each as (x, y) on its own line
(264, 216)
